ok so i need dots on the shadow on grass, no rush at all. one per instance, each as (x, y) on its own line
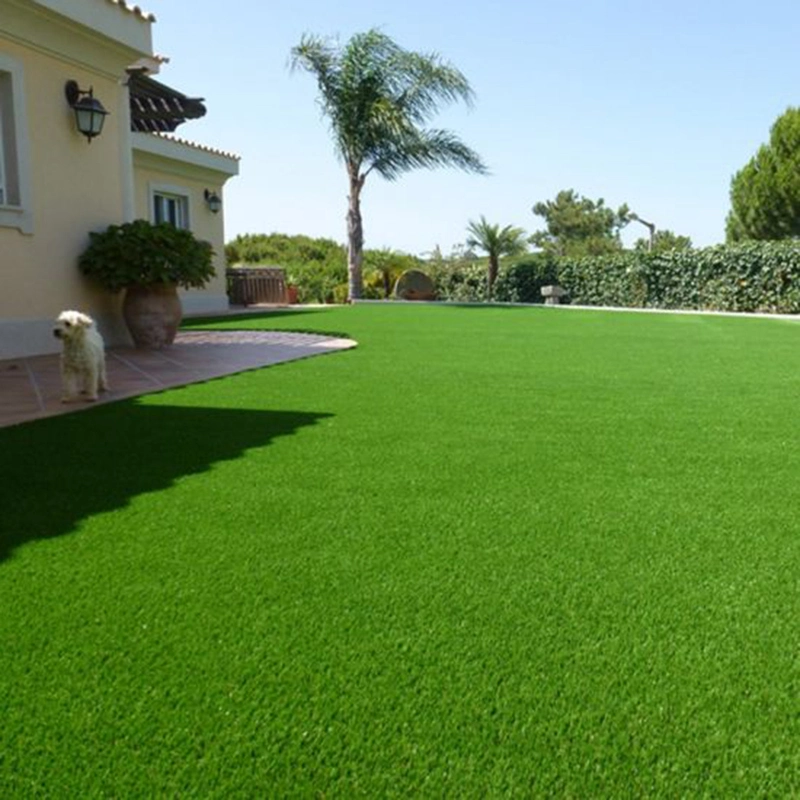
(59, 471)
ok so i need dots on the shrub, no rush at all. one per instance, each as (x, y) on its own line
(521, 280)
(140, 253)
(459, 281)
(752, 276)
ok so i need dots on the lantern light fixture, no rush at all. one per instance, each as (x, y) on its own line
(89, 112)
(213, 201)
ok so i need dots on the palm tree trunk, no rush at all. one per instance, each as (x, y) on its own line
(494, 268)
(355, 238)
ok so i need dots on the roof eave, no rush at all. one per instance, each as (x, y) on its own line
(115, 19)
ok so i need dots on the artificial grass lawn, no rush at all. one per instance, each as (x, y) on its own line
(488, 552)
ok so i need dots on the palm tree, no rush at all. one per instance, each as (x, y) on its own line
(495, 242)
(377, 97)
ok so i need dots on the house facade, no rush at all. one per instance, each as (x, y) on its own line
(57, 185)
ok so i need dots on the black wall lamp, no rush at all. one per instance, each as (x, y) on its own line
(89, 113)
(214, 201)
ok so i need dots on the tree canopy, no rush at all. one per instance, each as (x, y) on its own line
(578, 226)
(765, 193)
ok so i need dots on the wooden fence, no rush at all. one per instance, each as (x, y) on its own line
(249, 286)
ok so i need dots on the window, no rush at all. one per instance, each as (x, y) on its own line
(15, 209)
(3, 190)
(169, 207)
(9, 166)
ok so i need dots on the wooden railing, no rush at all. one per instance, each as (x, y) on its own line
(249, 286)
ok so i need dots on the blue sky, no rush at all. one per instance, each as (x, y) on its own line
(652, 104)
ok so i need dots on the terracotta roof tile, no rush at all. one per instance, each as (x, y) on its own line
(205, 148)
(135, 10)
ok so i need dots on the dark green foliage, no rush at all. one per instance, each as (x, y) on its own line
(521, 279)
(765, 193)
(316, 266)
(460, 279)
(280, 249)
(578, 226)
(140, 253)
(751, 276)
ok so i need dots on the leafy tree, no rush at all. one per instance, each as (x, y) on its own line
(663, 241)
(495, 242)
(578, 226)
(765, 193)
(377, 97)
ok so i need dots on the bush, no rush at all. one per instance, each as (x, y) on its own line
(140, 253)
(521, 280)
(458, 280)
(315, 266)
(318, 267)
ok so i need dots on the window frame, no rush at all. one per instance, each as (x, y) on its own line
(179, 195)
(3, 191)
(15, 208)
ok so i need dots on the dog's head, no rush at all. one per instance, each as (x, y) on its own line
(71, 325)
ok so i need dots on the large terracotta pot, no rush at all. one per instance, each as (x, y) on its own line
(153, 314)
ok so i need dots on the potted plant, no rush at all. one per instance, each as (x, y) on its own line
(150, 262)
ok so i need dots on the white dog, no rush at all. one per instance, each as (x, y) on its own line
(83, 360)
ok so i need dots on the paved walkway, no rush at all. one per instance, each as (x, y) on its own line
(30, 388)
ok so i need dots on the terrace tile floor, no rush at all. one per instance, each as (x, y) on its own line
(30, 388)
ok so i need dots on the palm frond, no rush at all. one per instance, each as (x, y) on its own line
(377, 96)
(424, 149)
(494, 240)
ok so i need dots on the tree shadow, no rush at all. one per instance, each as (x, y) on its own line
(61, 470)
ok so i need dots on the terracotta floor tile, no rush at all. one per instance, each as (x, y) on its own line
(30, 388)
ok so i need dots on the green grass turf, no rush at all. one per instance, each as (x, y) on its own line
(488, 552)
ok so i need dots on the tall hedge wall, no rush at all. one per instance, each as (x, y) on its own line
(751, 276)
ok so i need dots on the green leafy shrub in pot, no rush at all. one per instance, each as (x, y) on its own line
(140, 253)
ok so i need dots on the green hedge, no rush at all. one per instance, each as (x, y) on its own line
(752, 276)
(521, 280)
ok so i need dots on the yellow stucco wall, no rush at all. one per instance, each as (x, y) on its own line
(158, 173)
(74, 186)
